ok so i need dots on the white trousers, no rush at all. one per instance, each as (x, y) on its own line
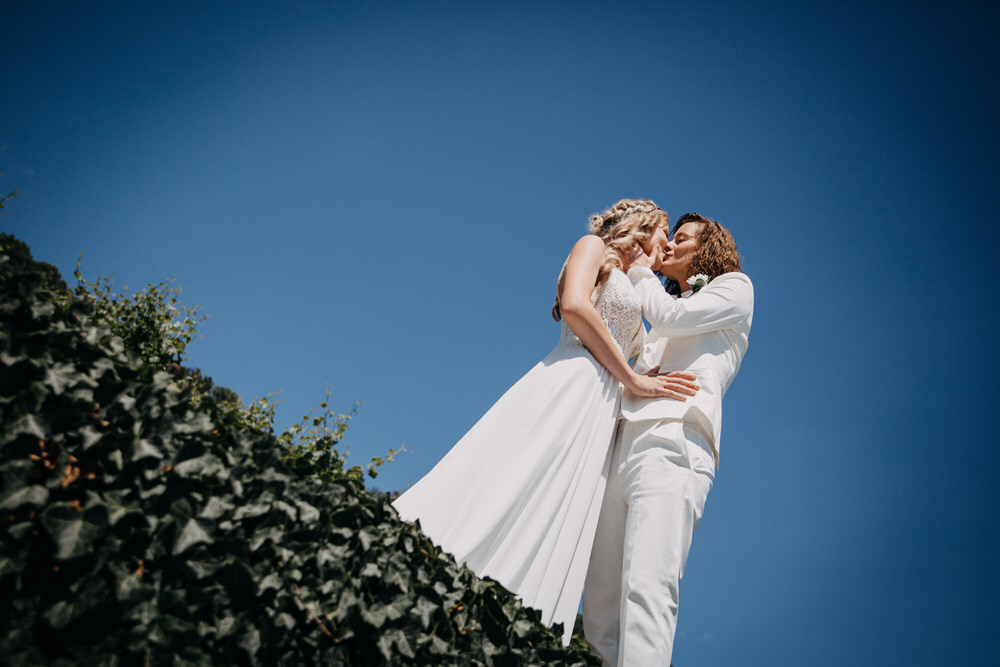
(661, 473)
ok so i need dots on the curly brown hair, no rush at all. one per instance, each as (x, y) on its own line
(627, 222)
(716, 252)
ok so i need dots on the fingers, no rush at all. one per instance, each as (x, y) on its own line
(680, 386)
(679, 380)
(687, 384)
(677, 389)
(662, 392)
(667, 393)
(673, 385)
(656, 259)
(689, 390)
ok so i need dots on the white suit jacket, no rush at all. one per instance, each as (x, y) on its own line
(705, 333)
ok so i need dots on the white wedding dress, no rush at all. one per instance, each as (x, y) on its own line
(517, 498)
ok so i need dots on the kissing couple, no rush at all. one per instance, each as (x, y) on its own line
(589, 476)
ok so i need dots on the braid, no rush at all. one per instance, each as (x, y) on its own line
(625, 223)
(620, 210)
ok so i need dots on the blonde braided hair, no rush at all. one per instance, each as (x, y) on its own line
(627, 222)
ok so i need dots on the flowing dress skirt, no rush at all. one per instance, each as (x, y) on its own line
(517, 499)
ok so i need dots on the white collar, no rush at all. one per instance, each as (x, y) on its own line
(686, 294)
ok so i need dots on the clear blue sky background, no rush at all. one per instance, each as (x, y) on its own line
(380, 196)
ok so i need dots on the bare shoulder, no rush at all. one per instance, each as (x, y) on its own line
(589, 242)
(584, 265)
(589, 248)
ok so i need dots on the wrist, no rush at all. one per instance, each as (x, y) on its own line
(632, 381)
(637, 272)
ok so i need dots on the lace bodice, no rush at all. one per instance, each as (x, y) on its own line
(619, 307)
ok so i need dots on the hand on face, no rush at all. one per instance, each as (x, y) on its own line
(640, 257)
(650, 252)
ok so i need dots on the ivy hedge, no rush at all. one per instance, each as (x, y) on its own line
(143, 524)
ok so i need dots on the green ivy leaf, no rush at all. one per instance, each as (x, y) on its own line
(250, 642)
(29, 495)
(392, 641)
(207, 464)
(194, 532)
(143, 449)
(61, 376)
(25, 425)
(73, 533)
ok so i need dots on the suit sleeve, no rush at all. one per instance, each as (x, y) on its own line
(722, 304)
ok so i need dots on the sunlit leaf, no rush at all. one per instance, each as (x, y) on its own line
(191, 534)
(72, 532)
(28, 495)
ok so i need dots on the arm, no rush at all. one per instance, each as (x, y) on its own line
(722, 304)
(582, 268)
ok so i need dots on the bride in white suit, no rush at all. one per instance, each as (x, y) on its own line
(517, 499)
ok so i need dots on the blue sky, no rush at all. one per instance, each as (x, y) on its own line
(379, 196)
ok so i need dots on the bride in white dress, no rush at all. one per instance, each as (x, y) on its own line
(517, 498)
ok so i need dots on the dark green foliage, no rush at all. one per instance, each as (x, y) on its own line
(151, 322)
(141, 523)
(21, 261)
(224, 394)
